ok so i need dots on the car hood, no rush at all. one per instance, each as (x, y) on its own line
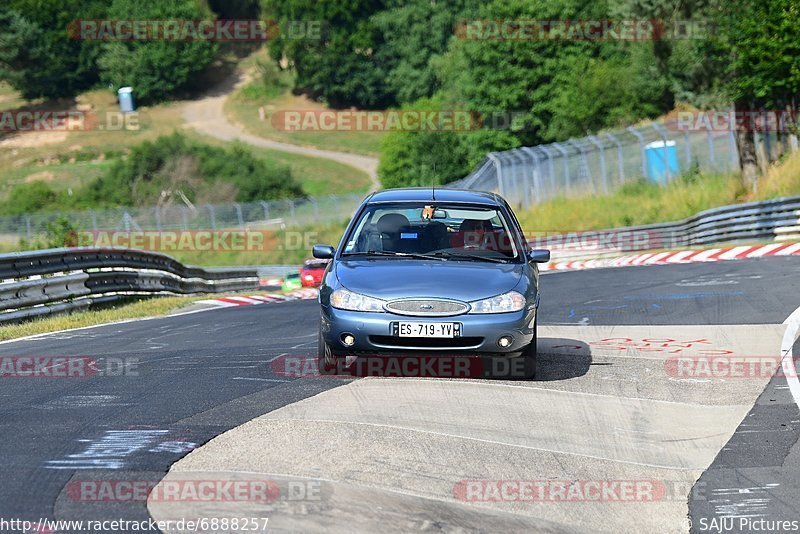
(459, 280)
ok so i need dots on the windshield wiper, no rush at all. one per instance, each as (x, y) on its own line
(394, 254)
(451, 255)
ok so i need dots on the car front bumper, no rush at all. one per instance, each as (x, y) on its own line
(479, 332)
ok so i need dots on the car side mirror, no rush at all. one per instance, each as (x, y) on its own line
(323, 252)
(539, 255)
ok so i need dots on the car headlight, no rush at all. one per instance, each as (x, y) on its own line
(347, 300)
(507, 302)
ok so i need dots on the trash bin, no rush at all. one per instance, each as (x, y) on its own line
(126, 104)
(658, 156)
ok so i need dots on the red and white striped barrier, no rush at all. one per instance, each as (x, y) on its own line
(267, 298)
(680, 256)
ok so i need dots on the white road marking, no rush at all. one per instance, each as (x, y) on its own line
(760, 251)
(218, 303)
(732, 253)
(261, 379)
(789, 368)
(679, 256)
(246, 300)
(658, 257)
(788, 250)
(704, 255)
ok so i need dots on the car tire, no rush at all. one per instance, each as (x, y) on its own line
(327, 360)
(530, 354)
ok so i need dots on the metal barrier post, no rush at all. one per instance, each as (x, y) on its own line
(602, 150)
(239, 214)
(640, 138)
(620, 160)
(498, 169)
(212, 214)
(565, 158)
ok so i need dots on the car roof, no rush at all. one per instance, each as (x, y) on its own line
(428, 194)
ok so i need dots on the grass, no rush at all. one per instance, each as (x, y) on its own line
(9, 98)
(320, 177)
(782, 179)
(134, 310)
(634, 204)
(644, 203)
(271, 89)
(60, 158)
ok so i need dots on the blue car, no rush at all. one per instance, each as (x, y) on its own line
(433, 272)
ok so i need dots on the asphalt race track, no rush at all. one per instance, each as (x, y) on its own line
(610, 408)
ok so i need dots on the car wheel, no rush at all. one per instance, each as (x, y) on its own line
(530, 354)
(327, 361)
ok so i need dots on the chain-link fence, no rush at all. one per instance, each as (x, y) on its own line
(593, 165)
(274, 214)
(599, 164)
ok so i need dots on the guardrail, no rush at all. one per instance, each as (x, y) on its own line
(48, 281)
(769, 220)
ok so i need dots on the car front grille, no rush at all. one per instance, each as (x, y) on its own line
(427, 307)
(425, 342)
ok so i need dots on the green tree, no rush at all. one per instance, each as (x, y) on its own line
(423, 158)
(413, 34)
(758, 38)
(339, 65)
(156, 69)
(238, 10)
(37, 57)
(597, 92)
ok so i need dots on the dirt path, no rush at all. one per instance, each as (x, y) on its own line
(207, 116)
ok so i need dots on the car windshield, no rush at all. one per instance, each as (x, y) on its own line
(439, 230)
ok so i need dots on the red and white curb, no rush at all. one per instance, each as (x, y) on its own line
(267, 298)
(680, 256)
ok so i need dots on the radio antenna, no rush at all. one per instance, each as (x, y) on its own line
(433, 182)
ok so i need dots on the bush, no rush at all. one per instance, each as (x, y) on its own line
(58, 233)
(199, 171)
(31, 197)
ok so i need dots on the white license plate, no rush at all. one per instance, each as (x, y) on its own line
(414, 329)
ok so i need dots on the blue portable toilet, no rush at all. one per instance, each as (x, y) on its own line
(126, 104)
(658, 156)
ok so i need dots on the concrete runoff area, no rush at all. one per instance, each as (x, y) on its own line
(616, 448)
